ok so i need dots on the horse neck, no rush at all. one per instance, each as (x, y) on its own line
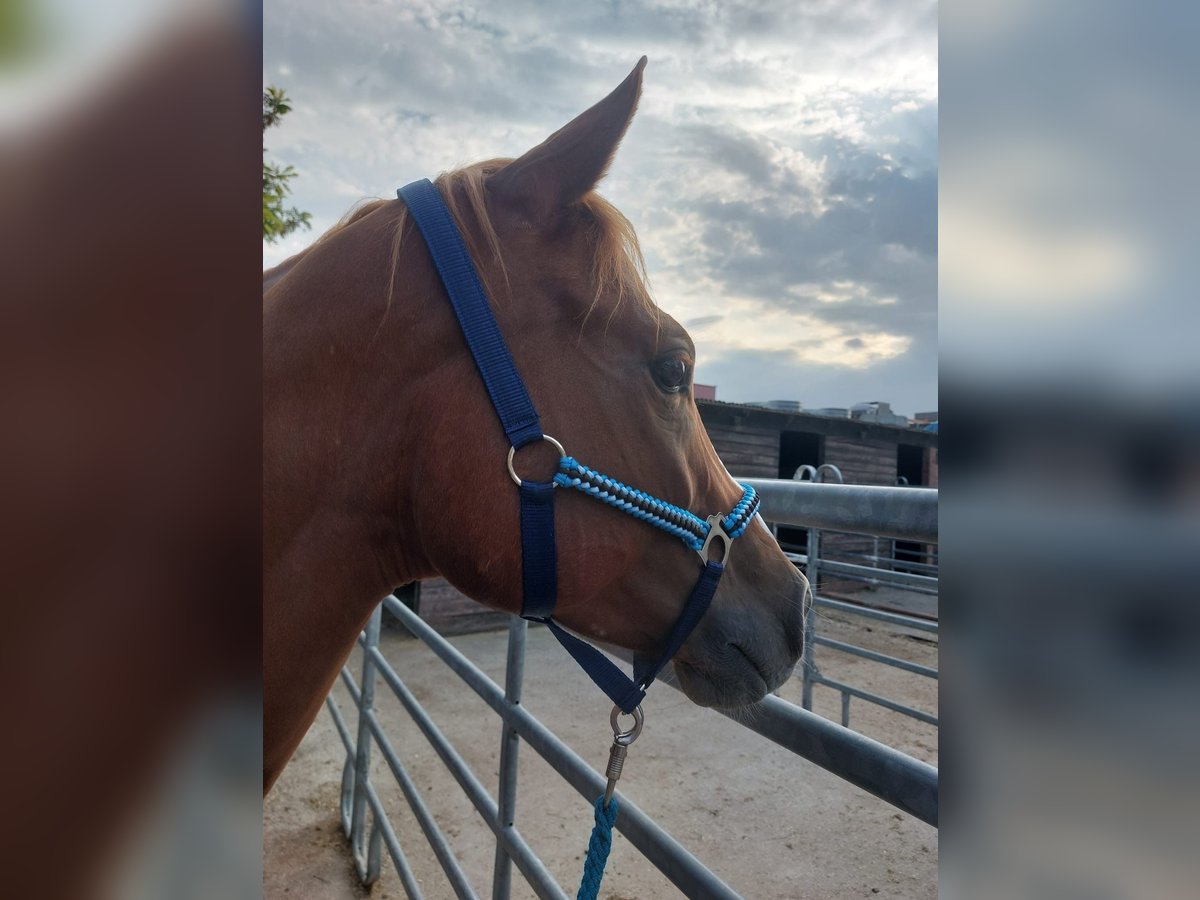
(339, 387)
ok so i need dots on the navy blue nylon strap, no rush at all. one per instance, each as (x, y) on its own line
(625, 692)
(539, 557)
(693, 612)
(453, 262)
(619, 687)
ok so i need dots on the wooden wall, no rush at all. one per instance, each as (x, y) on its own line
(863, 461)
(746, 450)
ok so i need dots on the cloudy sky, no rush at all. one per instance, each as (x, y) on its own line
(781, 170)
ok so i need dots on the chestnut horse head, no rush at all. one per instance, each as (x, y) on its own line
(384, 461)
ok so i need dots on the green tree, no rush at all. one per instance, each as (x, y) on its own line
(278, 221)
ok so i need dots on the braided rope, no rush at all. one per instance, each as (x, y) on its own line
(738, 520)
(686, 526)
(598, 846)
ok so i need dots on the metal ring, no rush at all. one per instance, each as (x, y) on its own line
(626, 737)
(512, 451)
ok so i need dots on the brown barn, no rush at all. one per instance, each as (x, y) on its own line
(771, 443)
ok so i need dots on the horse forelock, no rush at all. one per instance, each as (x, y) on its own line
(618, 265)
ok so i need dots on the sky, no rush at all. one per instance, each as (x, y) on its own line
(781, 171)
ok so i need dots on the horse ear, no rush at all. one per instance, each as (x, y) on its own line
(569, 163)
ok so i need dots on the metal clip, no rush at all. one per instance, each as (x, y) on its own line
(716, 530)
(620, 747)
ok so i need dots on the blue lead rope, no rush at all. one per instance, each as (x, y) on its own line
(599, 845)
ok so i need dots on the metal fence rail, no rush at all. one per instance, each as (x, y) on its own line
(905, 782)
(901, 513)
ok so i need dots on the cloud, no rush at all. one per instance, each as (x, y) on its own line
(781, 172)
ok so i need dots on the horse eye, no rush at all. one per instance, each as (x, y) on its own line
(671, 374)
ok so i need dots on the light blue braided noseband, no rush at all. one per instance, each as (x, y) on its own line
(697, 533)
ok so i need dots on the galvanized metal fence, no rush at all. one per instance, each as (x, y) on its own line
(907, 783)
(908, 521)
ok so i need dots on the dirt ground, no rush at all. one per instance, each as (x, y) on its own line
(771, 824)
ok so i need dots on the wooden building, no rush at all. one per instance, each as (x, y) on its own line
(770, 443)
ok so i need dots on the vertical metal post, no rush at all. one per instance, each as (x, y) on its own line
(845, 710)
(808, 665)
(367, 861)
(510, 742)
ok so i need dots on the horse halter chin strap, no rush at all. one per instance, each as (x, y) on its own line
(519, 418)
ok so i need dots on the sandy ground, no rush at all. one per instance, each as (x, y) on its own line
(771, 824)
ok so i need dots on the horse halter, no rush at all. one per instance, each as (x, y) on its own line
(522, 425)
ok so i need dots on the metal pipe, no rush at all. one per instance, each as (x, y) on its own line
(340, 724)
(399, 860)
(516, 847)
(510, 742)
(530, 866)
(467, 780)
(891, 561)
(909, 514)
(367, 873)
(878, 614)
(433, 834)
(351, 687)
(893, 661)
(808, 662)
(882, 576)
(903, 781)
(931, 570)
(347, 797)
(876, 699)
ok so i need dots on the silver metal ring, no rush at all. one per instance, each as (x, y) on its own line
(512, 451)
(626, 737)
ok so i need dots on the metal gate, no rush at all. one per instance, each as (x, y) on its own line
(907, 783)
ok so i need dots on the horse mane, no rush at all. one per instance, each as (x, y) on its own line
(618, 263)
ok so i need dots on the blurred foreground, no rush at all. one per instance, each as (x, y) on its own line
(1070, 503)
(129, 463)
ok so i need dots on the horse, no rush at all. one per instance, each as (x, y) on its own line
(383, 463)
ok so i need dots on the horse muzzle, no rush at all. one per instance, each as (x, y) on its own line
(742, 651)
